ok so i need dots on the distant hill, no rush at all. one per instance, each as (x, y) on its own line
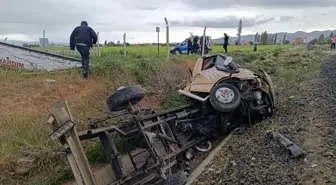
(289, 36)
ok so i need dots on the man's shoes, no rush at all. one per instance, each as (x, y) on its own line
(86, 76)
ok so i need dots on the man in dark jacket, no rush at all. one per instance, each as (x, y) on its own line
(189, 43)
(83, 37)
(226, 42)
(195, 47)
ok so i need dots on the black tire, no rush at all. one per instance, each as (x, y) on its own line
(120, 100)
(225, 107)
(178, 178)
(177, 52)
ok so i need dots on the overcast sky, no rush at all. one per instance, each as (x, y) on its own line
(26, 19)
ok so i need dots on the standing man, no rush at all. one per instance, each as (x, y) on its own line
(195, 44)
(83, 37)
(201, 43)
(207, 45)
(189, 45)
(226, 42)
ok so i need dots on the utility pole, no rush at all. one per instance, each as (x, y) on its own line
(124, 44)
(239, 29)
(98, 44)
(203, 41)
(158, 39)
(167, 37)
(43, 38)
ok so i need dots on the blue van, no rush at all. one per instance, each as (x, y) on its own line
(182, 48)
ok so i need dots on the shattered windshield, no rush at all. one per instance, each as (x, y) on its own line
(223, 62)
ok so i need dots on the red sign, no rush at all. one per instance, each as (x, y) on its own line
(11, 63)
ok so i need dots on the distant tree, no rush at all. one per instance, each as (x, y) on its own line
(330, 37)
(275, 38)
(256, 37)
(321, 39)
(259, 38)
(111, 43)
(287, 42)
(284, 38)
(270, 38)
(314, 41)
(118, 43)
(105, 43)
(128, 44)
(264, 38)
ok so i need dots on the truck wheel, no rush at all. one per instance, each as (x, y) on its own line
(225, 97)
(177, 52)
(121, 99)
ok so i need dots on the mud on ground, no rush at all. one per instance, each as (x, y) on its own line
(306, 115)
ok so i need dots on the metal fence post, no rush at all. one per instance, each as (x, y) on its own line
(239, 29)
(203, 40)
(167, 37)
(158, 39)
(125, 44)
(98, 44)
(43, 45)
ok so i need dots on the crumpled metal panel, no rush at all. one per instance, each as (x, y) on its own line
(13, 56)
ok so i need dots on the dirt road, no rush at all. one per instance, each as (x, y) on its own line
(306, 115)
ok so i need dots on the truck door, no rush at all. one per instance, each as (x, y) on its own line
(184, 47)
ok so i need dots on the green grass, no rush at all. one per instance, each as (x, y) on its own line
(152, 50)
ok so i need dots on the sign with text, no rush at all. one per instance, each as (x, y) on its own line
(17, 57)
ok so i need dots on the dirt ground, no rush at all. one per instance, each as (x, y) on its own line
(306, 115)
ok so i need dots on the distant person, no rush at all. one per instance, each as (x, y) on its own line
(189, 45)
(195, 46)
(226, 42)
(83, 37)
(333, 42)
(207, 45)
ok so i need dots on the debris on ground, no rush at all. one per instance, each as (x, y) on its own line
(295, 151)
(25, 164)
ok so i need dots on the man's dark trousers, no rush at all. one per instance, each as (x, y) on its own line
(225, 47)
(333, 45)
(85, 54)
(189, 49)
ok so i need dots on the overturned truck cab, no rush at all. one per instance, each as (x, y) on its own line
(223, 86)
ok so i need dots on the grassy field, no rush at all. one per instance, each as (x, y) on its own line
(153, 50)
(26, 99)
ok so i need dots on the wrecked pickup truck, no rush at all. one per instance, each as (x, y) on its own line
(238, 94)
(221, 95)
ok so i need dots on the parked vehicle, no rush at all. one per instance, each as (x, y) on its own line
(182, 48)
